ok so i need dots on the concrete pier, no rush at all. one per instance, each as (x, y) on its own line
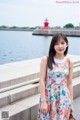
(51, 32)
(19, 88)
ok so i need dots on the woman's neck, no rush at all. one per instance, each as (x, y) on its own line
(59, 56)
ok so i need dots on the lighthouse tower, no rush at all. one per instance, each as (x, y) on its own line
(46, 24)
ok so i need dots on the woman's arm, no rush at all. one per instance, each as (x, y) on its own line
(69, 81)
(43, 67)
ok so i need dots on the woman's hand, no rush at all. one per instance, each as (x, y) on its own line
(44, 107)
(72, 108)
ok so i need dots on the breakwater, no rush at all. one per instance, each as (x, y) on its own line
(51, 32)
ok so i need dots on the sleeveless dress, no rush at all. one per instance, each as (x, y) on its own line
(57, 94)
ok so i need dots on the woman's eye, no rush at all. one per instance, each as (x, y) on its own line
(63, 43)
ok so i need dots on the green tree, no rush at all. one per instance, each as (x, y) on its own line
(69, 25)
(14, 27)
(3, 26)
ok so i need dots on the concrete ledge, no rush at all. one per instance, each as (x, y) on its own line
(28, 114)
(19, 98)
(18, 72)
(14, 74)
(4, 99)
(26, 109)
(18, 80)
(76, 72)
(77, 108)
(28, 90)
(76, 87)
(76, 64)
(19, 85)
(11, 96)
(12, 84)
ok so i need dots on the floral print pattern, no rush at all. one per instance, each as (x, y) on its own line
(57, 94)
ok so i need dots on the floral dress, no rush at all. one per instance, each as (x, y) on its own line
(57, 94)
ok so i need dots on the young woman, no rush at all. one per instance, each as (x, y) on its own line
(56, 90)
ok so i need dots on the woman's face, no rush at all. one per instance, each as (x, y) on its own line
(60, 46)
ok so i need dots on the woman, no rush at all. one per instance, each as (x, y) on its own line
(56, 90)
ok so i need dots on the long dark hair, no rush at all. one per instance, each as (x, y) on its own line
(52, 51)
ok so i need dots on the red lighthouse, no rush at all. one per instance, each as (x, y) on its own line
(46, 24)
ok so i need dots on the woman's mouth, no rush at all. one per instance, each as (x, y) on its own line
(60, 49)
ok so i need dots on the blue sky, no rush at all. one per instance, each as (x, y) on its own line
(33, 12)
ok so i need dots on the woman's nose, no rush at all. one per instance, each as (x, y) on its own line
(60, 45)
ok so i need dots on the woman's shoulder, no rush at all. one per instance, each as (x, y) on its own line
(43, 63)
(44, 59)
(70, 63)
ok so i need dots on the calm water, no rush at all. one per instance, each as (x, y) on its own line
(22, 45)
